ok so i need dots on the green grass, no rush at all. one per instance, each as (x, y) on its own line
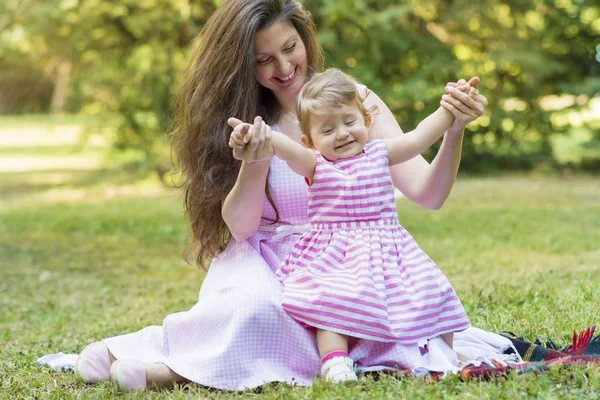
(86, 254)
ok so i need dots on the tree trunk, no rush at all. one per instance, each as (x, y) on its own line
(61, 86)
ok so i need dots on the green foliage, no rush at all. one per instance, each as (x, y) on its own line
(523, 51)
(128, 56)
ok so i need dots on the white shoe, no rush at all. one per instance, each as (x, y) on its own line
(339, 369)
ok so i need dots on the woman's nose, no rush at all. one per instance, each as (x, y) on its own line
(283, 66)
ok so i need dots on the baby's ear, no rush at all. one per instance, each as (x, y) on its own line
(306, 141)
(368, 120)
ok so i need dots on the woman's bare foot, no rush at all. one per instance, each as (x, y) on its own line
(158, 375)
(133, 375)
(93, 363)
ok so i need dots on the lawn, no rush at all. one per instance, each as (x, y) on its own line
(88, 250)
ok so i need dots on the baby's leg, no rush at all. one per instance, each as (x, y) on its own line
(449, 339)
(337, 366)
(330, 341)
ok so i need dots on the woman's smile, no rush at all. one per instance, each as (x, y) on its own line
(289, 79)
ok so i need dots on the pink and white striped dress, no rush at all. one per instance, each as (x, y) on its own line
(357, 271)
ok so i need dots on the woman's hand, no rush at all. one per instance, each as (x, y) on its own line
(464, 102)
(251, 143)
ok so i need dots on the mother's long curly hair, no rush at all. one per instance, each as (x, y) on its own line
(221, 83)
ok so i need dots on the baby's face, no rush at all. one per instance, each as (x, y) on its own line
(339, 133)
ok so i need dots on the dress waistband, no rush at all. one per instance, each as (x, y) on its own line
(283, 231)
(372, 223)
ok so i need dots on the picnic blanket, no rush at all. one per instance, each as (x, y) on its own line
(540, 355)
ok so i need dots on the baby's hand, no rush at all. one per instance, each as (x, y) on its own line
(243, 132)
(240, 136)
(465, 87)
(473, 92)
(468, 89)
(251, 142)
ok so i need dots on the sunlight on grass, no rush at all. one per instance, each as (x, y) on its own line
(78, 186)
(100, 192)
(24, 164)
(36, 135)
(49, 160)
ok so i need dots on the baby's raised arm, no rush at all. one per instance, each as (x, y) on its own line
(300, 159)
(413, 143)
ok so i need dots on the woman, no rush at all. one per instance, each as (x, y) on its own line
(254, 57)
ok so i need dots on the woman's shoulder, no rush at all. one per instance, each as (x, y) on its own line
(372, 103)
(363, 90)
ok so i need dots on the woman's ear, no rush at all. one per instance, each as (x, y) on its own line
(306, 141)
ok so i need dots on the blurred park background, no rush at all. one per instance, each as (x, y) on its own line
(109, 69)
(92, 231)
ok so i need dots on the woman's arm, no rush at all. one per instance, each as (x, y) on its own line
(404, 147)
(242, 208)
(427, 184)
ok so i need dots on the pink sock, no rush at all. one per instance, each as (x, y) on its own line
(335, 353)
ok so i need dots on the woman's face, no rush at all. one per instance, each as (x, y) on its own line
(280, 59)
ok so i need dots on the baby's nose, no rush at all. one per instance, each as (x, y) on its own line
(342, 133)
